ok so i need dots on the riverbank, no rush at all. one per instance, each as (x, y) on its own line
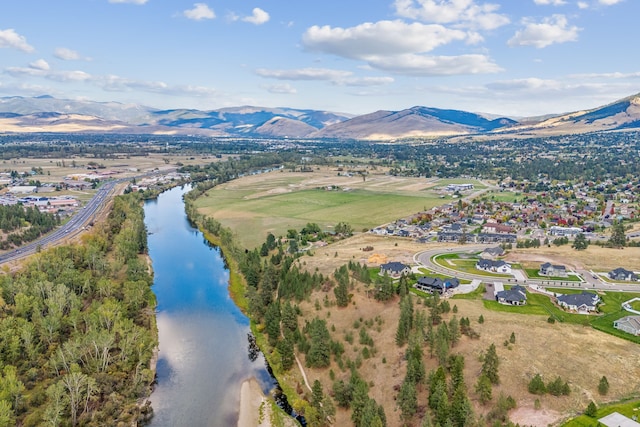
(255, 409)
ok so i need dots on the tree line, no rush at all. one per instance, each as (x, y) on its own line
(77, 329)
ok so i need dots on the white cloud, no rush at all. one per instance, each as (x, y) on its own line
(110, 83)
(465, 13)
(551, 30)
(40, 64)
(550, 2)
(609, 2)
(129, 1)
(258, 17)
(532, 83)
(583, 5)
(66, 54)
(423, 65)
(380, 38)
(199, 12)
(281, 89)
(304, 74)
(9, 38)
(614, 75)
(365, 81)
(336, 77)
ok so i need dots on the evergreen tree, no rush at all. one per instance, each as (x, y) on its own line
(618, 238)
(580, 242)
(536, 385)
(603, 386)
(484, 389)
(406, 320)
(592, 410)
(342, 294)
(491, 364)
(407, 399)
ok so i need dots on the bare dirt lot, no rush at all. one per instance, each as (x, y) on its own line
(594, 258)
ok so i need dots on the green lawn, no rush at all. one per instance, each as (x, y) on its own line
(534, 273)
(542, 305)
(252, 214)
(625, 408)
(505, 196)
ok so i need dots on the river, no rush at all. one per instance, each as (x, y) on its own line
(203, 356)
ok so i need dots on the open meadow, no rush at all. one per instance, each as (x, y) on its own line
(280, 200)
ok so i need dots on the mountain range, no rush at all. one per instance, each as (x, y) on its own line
(48, 114)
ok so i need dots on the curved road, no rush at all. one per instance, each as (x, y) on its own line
(592, 281)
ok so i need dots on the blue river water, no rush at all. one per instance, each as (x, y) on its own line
(203, 357)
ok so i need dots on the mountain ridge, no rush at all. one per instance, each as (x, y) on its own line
(48, 114)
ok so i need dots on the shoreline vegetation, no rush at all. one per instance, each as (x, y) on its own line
(77, 327)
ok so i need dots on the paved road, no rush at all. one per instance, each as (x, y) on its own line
(77, 221)
(591, 280)
(83, 217)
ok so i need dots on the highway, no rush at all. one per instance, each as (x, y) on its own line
(77, 221)
(591, 281)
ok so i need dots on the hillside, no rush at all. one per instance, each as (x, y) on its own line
(48, 114)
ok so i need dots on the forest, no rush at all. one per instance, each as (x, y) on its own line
(24, 224)
(77, 329)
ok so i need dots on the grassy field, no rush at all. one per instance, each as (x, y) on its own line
(275, 202)
(533, 273)
(628, 408)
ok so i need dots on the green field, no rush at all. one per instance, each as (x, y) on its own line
(628, 409)
(252, 216)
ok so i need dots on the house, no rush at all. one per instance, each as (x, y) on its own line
(436, 284)
(495, 228)
(622, 274)
(394, 269)
(448, 237)
(547, 269)
(564, 231)
(459, 187)
(517, 295)
(493, 266)
(492, 253)
(496, 238)
(583, 302)
(628, 324)
(616, 419)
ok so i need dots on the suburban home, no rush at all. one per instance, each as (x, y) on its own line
(394, 269)
(492, 253)
(622, 274)
(436, 284)
(548, 269)
(496, 228)
(496, 238)
(564, 231)
(617, 420)
(493, 266)
(583, 302)
(517, 295)
(628, 324)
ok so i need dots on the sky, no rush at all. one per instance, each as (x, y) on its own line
(507, 57)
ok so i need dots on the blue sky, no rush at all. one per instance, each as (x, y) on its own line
(508, 57)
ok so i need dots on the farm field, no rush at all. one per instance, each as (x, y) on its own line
(277, 201)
